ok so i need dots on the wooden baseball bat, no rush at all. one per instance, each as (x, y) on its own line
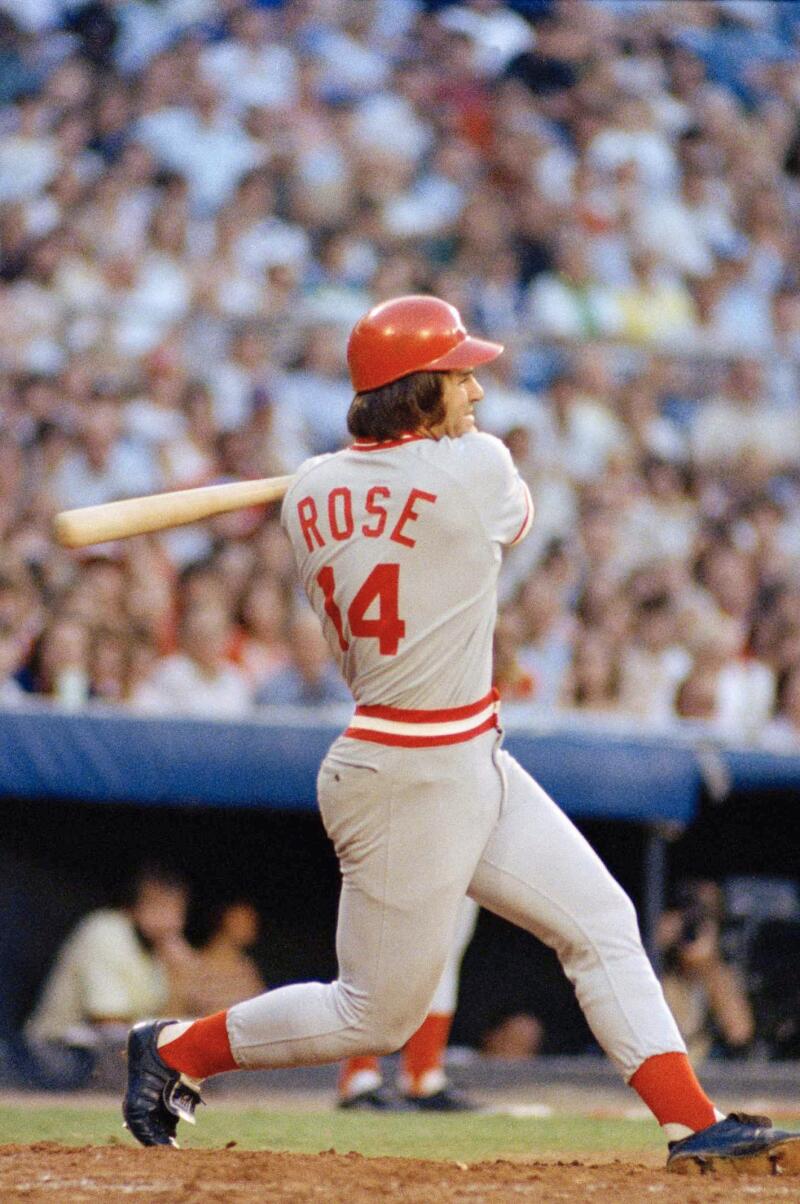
(159, 511)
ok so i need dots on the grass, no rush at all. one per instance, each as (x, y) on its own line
(463, 1138)
(467, 1137)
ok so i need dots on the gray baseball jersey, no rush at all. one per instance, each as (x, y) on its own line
(399, 549)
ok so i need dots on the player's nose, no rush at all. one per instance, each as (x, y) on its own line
(475, 390)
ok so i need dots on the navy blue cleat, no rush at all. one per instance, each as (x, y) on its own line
(157, 1096)
(738, 1145)
(447, 1099)
(375, 1099)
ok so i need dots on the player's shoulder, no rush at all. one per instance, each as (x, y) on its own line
(476, 452)
(314, 476)
(308, 468)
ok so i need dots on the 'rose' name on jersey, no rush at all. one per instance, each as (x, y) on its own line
(398, 546)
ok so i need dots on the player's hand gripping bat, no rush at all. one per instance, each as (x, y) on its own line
(160, 511)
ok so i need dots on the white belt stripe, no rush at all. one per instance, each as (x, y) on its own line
(395, 727)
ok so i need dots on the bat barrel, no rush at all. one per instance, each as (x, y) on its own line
(161, 511)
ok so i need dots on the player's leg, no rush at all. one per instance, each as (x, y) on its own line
(422, 1074)
(539, 872)
(405, 861)
(407, 850)
(360, 1084)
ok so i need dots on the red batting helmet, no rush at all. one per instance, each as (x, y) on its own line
(412, 334)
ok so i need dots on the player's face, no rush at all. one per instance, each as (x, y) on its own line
(460, 393)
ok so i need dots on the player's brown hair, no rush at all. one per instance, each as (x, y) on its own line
(403, 405)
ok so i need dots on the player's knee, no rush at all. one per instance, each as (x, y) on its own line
(392, 1035)
(610, 929)
(394, 1022)
(614, 916)
(382, 1024)
(621, 911)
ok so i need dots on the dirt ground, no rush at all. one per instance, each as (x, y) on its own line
(47, 1171)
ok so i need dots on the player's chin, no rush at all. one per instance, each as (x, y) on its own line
(467, 424)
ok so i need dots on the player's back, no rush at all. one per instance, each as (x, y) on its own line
(398, 547)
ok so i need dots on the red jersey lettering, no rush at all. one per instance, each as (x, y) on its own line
(383, 586)
(307, 514)
(379, 512)
(410, 515)
(327, 584)
(345, 530)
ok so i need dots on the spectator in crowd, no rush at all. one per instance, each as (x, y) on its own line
(696, 698)
(516, 1038)
(706, 995)
(569, 303)
(59, 667)
(197, 679)
(654, 663)
(11, 692)
(262, 649)
(739, 421)
(109, 666)
(117, 966)
(656, 307)
(222, 970)
(783, 732)
(546, 638)
(593, 680)
(310, 678)
(103, 465)
(582, 432)
(511, 681)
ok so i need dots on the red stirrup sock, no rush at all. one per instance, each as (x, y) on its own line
(423, 1055)
(203, 1050)
(358, 1075)
(669, 1087)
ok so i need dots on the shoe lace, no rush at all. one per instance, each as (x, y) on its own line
(181, 1100)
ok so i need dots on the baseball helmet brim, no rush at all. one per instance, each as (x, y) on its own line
(471, 352)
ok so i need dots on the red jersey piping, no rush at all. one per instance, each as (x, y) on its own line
(525, 521)
(443, 715)
(370, 445)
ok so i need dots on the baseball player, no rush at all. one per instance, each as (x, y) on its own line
(398, 541)
(422, 1079)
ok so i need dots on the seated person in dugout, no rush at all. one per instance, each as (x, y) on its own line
(705, 993)
(118, 965)
(222, 970)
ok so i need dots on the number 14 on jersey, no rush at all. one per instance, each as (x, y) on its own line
(381, 586)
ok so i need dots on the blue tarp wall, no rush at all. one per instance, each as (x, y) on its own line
(272, 761)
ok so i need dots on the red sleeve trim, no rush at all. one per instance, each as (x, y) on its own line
(528, 519)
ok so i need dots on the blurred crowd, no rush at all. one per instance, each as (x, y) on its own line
(199, 197)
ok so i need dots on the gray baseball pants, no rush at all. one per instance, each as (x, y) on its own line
(415, 830)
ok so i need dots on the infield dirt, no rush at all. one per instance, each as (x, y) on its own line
(47, 1171)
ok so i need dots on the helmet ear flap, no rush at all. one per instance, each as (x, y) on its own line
(412, 334)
